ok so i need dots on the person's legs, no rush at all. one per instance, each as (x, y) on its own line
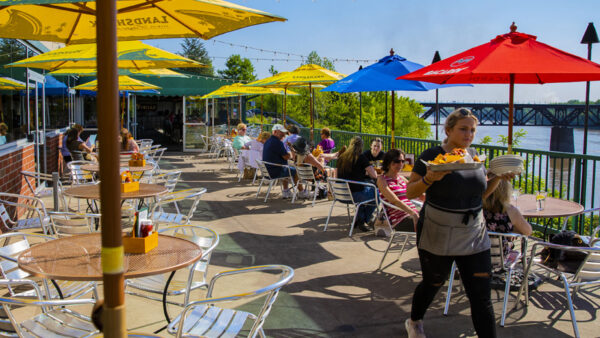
(435, 271)
(475, 273)
(366, 210)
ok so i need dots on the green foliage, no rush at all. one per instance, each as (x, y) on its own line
(10, 51)
(314, 58)
(238, 69)
(518, 136)
(273, 71)
(486, 140)
(193, 48)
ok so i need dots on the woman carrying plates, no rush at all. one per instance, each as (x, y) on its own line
(451, 227)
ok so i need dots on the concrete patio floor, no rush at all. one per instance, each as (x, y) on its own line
(336, 291)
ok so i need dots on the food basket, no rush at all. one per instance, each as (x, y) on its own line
(137, 160)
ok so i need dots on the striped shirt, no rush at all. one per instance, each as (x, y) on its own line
(397, 186)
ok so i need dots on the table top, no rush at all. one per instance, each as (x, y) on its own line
(554, 207)
(92, 191)
(96, 168)
(77, 258)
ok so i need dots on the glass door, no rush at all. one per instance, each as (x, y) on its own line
(195, 126)
(36, 107)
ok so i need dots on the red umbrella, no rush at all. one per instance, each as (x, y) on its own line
(510, 58)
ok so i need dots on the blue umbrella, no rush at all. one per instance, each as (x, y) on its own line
(381, 76)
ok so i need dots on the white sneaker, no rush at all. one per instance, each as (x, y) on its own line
(414, 329)
(305, 194)
(286, 193)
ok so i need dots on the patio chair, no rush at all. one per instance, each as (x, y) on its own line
(69, 223)
(159, 215)
(587, 274)
(500, 262)
(79, 176)
(591, 211)
(168, 178)
(340, 189)
(195, 277)
(56, 319)
(398, 238)
(205, 318)
(27, 212)
(13, 244)
(266, 178)
(306, 176)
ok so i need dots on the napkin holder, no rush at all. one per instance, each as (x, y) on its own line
(139, 245)
(127, 183)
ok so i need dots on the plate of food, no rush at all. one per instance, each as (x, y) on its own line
(457, 159)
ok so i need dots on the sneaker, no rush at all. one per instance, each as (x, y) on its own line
(414, 329)
(304, 194)
(286, 194)
(362, 226)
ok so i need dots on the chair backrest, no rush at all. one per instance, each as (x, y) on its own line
(204, 237)
(79, 176)
(263, 169)
(176, 198)
(169, 179)
(340, 189)
(66, 224)
(5, 217)
(305, 172)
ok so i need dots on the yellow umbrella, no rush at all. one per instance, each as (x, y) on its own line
(130, 54)
(305, 75)
(73, 21)
(125, 83)
(10, 84)
(161, 72)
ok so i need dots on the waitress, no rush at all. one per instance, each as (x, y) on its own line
(451, 227)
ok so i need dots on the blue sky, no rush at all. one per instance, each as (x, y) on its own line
(367, 29)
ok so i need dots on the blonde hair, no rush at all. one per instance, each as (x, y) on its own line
(499, 199)
(263, 136)
(241, 126)
(349, 157)
(455, 116)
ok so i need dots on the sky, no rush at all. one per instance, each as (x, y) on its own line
(415, 29)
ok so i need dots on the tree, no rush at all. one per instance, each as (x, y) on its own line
(273, 71)
(314, 58)
(238, 69)
(194, 49)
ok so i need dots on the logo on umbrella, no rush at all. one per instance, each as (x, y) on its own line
(462, 61)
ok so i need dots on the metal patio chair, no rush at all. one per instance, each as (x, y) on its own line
(398, 238)
(56, 319)
(266, 178)
(69, 223)
(306, 176)
(27, 212)
(340, 189)
(204, 318)
(177, 200)
(500, 262)
(587, 274)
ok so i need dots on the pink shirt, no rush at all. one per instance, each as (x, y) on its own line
(397, 186)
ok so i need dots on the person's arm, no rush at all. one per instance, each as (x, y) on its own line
(84, 147)
(493, 182)
(310, 159)
(371, 172)
(392, 198)
(133, 145)
(520, 224)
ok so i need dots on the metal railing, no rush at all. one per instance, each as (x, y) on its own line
(563, 175)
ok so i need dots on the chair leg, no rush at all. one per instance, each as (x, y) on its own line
(386, 251)
(269, 190)
(315, 192)
(352, 224)
(506, 295)
(259, 186)
(570, 304)
(449, 293)
(330, 210)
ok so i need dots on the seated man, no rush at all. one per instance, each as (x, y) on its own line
(275, 152)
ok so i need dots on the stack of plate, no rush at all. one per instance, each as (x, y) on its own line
(505, 164)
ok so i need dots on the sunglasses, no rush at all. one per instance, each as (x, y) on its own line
(243, 129)
(464, 112)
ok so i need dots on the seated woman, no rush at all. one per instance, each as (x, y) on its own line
(301, 149)
(241, 139)
(501, 216)
(76, 146)
(128, 144)
(327, 143)
(353, 165)
(255, 149)
(392, 189)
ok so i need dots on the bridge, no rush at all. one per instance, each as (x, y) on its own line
(564, 115)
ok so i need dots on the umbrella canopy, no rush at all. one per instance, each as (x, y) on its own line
(510, 58)
(7, 83)
(74, 21)
(161, 72)
(131, 54)
(125, 83)
(239, 89)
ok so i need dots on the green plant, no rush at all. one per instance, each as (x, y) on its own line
(518, 136)
(486, 140)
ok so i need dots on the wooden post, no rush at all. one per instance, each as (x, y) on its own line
(511, 108)
(393, 119)
(110, 192)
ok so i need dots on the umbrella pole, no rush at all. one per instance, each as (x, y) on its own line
(393, 118)
(113, 316)
(386, 112)
(261, 113)
(437, 116)
(312, 117)
(227, 109)
(511, 107)
(360, 112)
(240, 107)
(284, 104)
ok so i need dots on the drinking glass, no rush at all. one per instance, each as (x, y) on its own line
(540, 200)
(515, 194)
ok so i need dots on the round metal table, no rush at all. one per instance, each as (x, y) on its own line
(92, 191)
(554, 207)
(96, 168)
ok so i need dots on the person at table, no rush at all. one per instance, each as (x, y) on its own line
(327, 143)
(302, 155)
(451, 227)
(501, 216)
(128, 144)
(293, 135)
(354, 165)
(274, 152)
(374, 154)
(255, 150)
(3, 133)
(64, 150)
(76, 146)
(241, 139)
(392, 189)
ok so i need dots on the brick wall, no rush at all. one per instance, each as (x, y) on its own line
(11, 165)
(53, 156)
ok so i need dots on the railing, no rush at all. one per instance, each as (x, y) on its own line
(563, 175)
